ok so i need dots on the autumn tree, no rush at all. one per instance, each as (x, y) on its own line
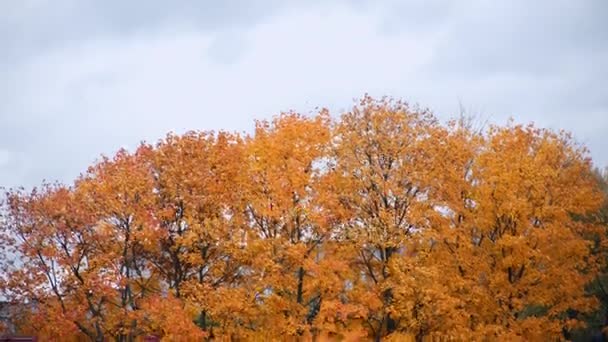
(53, 239)
(198, 206)
(117, 193)
(283, 164)
(597, 320)
(379, 192)
(380, 224)
(512, 233)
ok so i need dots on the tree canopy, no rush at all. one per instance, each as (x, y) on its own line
(380, 223)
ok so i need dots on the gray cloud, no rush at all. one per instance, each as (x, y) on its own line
(34, 25)
(81, 78)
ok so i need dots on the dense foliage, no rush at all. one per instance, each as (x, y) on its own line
(382, 223)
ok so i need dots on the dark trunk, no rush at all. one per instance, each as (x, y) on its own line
(300, 285)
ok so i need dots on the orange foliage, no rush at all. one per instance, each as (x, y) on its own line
(382, 223)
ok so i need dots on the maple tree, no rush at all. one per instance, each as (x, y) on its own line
(283, 221)
(523, 257)
(195, 205)
(597, 320)
(377, 192)
(382, 223)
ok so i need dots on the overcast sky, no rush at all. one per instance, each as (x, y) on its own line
(83, 78)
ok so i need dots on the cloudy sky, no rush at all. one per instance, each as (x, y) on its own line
(81, 78)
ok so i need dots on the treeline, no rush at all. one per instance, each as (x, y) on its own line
(382, 223)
